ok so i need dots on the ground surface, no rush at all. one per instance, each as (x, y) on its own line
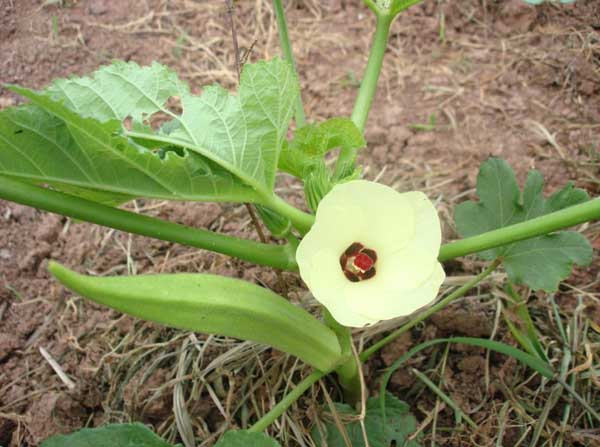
(499, 77)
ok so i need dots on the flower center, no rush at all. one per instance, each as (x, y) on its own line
(358, 262)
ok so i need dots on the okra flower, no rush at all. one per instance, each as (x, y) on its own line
(372, 253)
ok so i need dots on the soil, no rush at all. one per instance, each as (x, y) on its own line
(461, 81)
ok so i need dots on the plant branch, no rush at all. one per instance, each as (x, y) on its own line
(279, 256)
(301, 220)
(539, 226)
(462, 290)
(288, 54)
(368, 86)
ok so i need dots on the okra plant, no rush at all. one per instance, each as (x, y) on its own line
(85, 145)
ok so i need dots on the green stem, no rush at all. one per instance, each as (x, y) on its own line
(539, 226)
(348, 372)
(430, 311)
(286, 402)
(301, 220)
(279, 256)
(286, 47)
(368, 85)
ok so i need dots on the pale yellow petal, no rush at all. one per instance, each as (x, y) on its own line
(384, 304)
(403, 229)
(388, 215)
(408, 267)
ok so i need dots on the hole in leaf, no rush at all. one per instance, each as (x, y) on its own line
(128, 123)
(174, 105)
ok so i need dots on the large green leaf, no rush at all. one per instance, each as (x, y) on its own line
(114, 435)
(213, 304)
(540, 262)
(399, 423)
(119, 91)
(48, 143)
(223, 147)
(244, 438)
(242, 133)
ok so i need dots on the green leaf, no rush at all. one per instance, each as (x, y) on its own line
(223, 147)
(541, 262)
(243, 134)
(212, 304)
(114, 435)
(305, 152)
(244, 438)
(398, 425)
(48, 143)
(120, 90)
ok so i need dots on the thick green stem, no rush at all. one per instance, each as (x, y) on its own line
(539, 226)
(430, 311)
(286, 402)
(286, 48)
(279, 256)
(348, 372)
(368, 85)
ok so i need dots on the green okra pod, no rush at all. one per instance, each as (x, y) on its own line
(212, 304)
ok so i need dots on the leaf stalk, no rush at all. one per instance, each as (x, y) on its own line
(548, 223)
(278, 256)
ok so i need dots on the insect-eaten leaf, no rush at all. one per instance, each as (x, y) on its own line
(541, 262)
(114, 435)
(93, 136)
(244, 438)
(399, 424)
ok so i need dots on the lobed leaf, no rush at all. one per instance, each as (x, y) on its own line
(222, 147)
(243, 134)
(49, 143)
(541, 262)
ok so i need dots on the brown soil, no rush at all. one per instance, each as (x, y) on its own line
(508, 80)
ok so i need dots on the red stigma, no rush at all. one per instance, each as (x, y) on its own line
(363, 262)
(358, 262)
